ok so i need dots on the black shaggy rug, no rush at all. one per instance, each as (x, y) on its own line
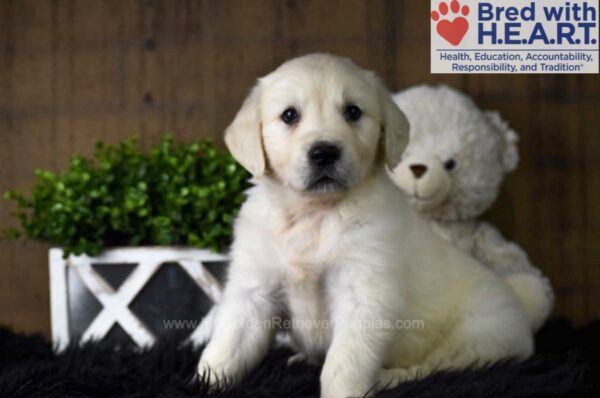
(567, 363)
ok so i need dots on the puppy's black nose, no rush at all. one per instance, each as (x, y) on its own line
(324, 154)
(418, 170)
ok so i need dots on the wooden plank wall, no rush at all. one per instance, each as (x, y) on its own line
(75, 71)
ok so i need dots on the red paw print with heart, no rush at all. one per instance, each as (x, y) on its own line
(452, 30)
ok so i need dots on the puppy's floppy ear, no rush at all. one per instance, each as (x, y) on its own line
(395, 130)
(243, 137)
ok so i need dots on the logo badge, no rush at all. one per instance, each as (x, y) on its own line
(514, 36)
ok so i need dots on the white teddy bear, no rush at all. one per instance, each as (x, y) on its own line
(452, 169)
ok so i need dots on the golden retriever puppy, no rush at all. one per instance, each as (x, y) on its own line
(327, 241)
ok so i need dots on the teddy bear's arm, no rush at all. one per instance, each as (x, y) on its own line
(511, 262)
(503, 256)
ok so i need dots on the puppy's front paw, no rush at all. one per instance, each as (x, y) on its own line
(213, 374)
(342, 387)
(208, 373)
(390, 378)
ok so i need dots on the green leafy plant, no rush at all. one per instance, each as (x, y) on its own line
(176, 194)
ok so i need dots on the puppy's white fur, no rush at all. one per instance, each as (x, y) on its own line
(353, 260)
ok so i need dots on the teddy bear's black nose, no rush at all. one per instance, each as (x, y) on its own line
(418, 170)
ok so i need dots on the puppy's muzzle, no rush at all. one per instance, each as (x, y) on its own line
(324, 154)
(324, 158)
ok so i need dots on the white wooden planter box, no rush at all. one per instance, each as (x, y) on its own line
(144, 292)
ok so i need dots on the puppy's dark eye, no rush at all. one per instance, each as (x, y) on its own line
(450, 164)
(352, 112)
(290, 116)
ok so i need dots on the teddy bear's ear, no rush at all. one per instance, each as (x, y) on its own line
(510, 155)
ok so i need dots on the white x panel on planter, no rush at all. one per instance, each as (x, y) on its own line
(115, 302)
